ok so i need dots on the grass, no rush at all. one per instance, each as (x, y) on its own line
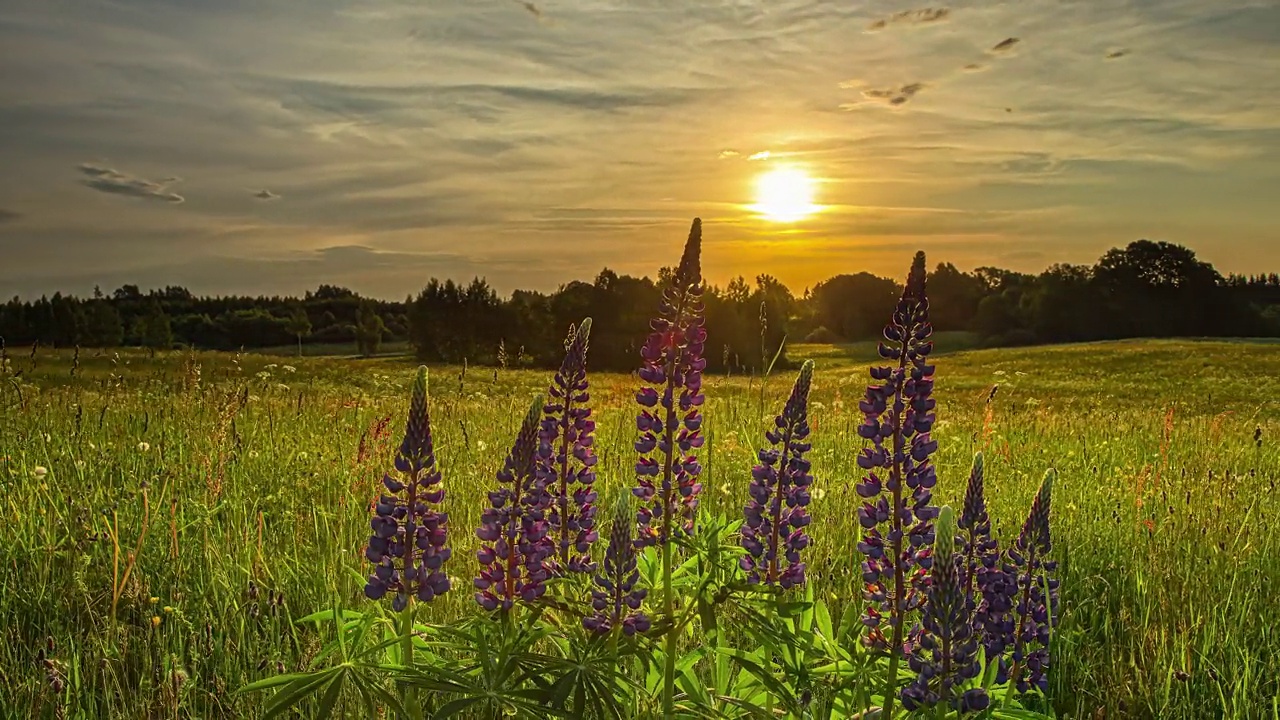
(197, 475)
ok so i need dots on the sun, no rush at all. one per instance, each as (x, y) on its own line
(785, 195)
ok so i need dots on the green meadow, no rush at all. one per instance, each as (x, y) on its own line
(166, 519)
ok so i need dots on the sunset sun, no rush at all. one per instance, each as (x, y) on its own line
(785, 195)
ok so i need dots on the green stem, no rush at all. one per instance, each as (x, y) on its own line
(406, 657)
(669, 606)
(896, 531)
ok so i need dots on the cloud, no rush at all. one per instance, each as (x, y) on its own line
(533, 10)
(894, 95)
(912, 17)
(1004, 46)
(411, 127)
(8, 215)
(726, 154)
(1118, 53)
(762, 155)
(265, 194)
(107, 180)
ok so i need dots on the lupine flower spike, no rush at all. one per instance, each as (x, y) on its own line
(945, 655)
(616, 598)
(669, 422)
(773, 534)
(566, 461)
(897, 488)
(513, 528)
(896, 514)
(1037, 594)
(988, 589)
(408, 547)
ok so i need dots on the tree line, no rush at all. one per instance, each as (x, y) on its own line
(1146, 289)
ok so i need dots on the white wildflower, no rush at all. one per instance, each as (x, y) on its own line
(40, 472)
(144, 447)
(289, 368)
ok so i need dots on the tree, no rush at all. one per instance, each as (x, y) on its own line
(153, 328)
(369, 329)
(103, 326)
(854, 306)
(299, 325)
(1158, 289)
(953, 298)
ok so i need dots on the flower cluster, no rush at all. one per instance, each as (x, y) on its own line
(565, 459)
(1037, 594)
(988, 589)
(669, 422)
(945, 654)
(898, 410)
(775, 514)
(616, 598)
(513, 558)
(408, 546)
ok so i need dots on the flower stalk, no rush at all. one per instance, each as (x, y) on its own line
(669, 425)
(775, 515)
(896, 513)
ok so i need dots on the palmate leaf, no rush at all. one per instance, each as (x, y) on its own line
(330, 697)
(759, 669)
(300, 689)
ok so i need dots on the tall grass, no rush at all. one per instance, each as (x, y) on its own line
(253, 482)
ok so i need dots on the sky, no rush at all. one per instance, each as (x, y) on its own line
(269, 146)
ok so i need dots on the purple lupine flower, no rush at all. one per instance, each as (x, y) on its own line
(516, 547)
(408, 547)
(896, 513)
(773, 534)
(989, 590)
(1037, 594)
(566, 461)
(616, 597)
(669, 422)
(944, 655)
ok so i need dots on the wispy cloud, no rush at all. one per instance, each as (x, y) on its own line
(532, 9)
(8, 215)
(1005, 46)
(911, 17)
(894, 95)
(107, 180)
(438, 130)
(265, 194)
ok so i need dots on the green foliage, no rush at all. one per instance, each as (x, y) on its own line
(369, 330)
(153, 330)
(1169, 573)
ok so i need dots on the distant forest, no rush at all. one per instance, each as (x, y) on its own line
(1147, 289)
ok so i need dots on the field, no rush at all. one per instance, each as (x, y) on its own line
(215, 471)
